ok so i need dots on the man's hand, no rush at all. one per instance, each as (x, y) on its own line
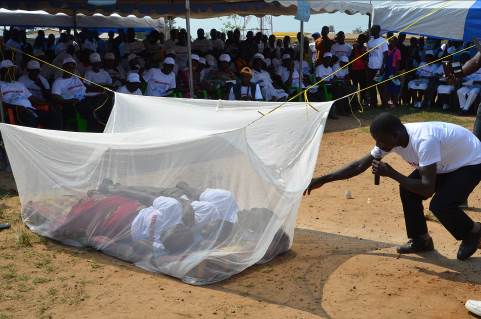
(382, 169)
(315, 183)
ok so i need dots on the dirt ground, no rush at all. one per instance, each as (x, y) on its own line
(343, 262)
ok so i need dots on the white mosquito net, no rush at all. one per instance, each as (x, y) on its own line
(183, 187)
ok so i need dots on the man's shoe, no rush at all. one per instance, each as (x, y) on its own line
(4, 226)
(414, 246)
(474, 306)
(469, 245)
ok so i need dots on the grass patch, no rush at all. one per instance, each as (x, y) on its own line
(23, 278)
(40, 280)
(4, 316)
(44, 263)
(23, 238)
(52, 292)
(9, 272)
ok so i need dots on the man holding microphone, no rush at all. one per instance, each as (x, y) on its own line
(447, 167)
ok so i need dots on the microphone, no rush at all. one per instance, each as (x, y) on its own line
(377, 178)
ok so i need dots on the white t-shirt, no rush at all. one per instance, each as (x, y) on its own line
(340, 50)
(69, 88)
(450, 146)
(15, 93)
(428, 71)
(342, 73)
(283, 72)
(322, 71)
(306, 69)
(159, 83)
(123, 89)
(376, 56)
(246, 91)
(100, 77)
(33, 87)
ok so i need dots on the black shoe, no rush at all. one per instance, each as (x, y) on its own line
(469, 245)
(417, 245)
(4, 226)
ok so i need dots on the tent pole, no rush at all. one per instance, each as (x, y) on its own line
(301, 54)
(369, 26)
(189, 48)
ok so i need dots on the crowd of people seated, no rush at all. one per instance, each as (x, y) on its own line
(47, 93)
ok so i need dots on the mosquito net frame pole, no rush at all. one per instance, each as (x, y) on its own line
(189, 48)
(301, 54)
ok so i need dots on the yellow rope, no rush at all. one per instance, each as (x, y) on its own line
(59, 68)
(446, 3)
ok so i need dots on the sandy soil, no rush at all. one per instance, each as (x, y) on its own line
(342, 265)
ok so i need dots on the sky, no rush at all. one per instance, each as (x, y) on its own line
(340, 21)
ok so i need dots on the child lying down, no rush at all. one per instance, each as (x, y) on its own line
(139, 223)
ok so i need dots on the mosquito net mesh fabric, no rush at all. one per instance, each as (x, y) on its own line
(183, 187)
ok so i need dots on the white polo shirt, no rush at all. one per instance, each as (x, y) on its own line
(376, 56)
(15, 93)
(123, 89)
(450, 146)
(33, 87)
(159, 83)
(69, 88)
(322, 72)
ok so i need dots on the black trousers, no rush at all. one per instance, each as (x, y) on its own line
(359, 79)
(371, 74)
(452, 189)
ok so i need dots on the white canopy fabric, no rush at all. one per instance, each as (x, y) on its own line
(183, 187)
(24, 18)
(323, 6)
(458, 20)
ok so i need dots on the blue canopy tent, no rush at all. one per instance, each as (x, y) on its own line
(456, 20)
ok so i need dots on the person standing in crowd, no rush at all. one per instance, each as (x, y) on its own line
(131, 44)
(324, 44)
(161, 82)
(377, 61)
(201, 45)
(359, 69)
(132, 86)
(390, 90)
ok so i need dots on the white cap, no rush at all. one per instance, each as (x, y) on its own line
(7, 64)
(202, 60)
(169, 60)
(133, 78)
(195, 57)
(109, 56)
(286, 56)
(95, 58)
(224, 58)
(344, 59)
(327, 55)
(33, 65)
(429, 52)
(131, 57)
(259, 56)
(69, 59)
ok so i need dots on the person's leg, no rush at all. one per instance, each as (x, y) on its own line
(371, 74)
(412, 203)
(462, 97)
(451, 190)
(27, 117)
(477, 123)
(472, 95)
